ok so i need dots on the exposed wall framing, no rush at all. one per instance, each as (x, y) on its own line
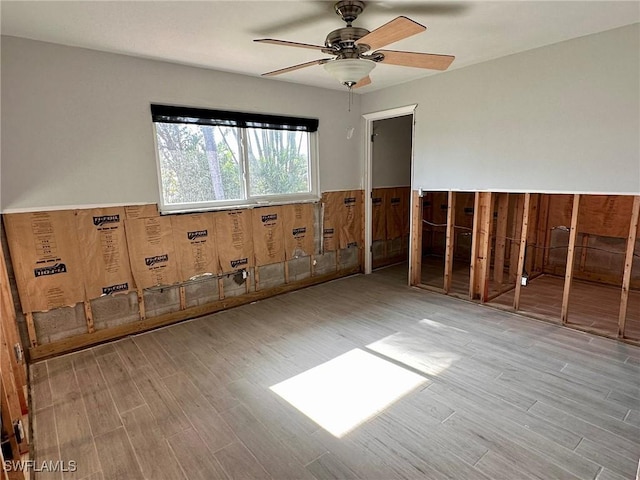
(145, 270)
(447, 243)
(585, 245)
(13, 398)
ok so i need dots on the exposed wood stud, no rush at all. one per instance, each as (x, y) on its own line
(534, 204)
(286, 271)
(141, 307)
(31, 329)
(568, 276)
(7, 418)
(88, 315)
(221, 289)
(515, 234)
(10, 333)
(541, 254)
(450, 241)
(628, 265)
(415, 265)
(483, 257)
(256, 273)
(501, 237)
(522, 253)
(10, 390)
(474, 241)
(183, 297)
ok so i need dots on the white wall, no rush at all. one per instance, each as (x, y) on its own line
(391, 152)
(564, 118)
(77, 130)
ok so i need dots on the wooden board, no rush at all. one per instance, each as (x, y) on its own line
(234, 240)
(522, 250)
(194, 241)
(268, 235)
(46, 259)
(396, 208)
(415, 245)
(450, 242)
(568, 276)
(378, 214)
(628, 265)
(152, 252)
(501, 236)
(331, 221)
(405, 194)
(299, 233)
(10, 334)
(105, 255)
(141, 211)
(351, 213)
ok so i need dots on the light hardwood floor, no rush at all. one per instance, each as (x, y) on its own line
(489, 394)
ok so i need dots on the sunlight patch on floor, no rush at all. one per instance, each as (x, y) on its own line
(345, 392)
(434, 324)
(414, 351)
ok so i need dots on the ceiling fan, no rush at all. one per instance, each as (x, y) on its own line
(356, 49)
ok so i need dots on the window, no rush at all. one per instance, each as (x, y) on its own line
(213, 158)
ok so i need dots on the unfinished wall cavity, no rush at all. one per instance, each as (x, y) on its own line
(138, 270)
(571, 259)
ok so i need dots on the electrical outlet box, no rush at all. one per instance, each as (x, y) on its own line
(524, 281)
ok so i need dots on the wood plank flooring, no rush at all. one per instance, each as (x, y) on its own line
(499, 396)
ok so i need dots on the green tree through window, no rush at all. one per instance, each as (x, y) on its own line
(199, 163)
(278, 162)
(215, 158)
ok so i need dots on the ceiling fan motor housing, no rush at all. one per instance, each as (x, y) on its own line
(342, 42)
(349, 10)
(352, 48)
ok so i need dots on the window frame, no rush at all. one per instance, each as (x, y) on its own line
(250, 200)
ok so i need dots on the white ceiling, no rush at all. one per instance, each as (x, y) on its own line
(219, 34)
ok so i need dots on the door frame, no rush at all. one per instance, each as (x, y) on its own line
(368, 119)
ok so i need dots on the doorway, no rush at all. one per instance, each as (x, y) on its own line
(388, 167)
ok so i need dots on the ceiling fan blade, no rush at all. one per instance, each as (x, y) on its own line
(363, 82)
(290, 44)
(393, 31)
(307, 15)
(296, 67)
(418, 60)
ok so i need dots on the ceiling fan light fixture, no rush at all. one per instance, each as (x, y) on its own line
(349, 71)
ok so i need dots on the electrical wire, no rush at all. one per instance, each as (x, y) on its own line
(533, 245)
